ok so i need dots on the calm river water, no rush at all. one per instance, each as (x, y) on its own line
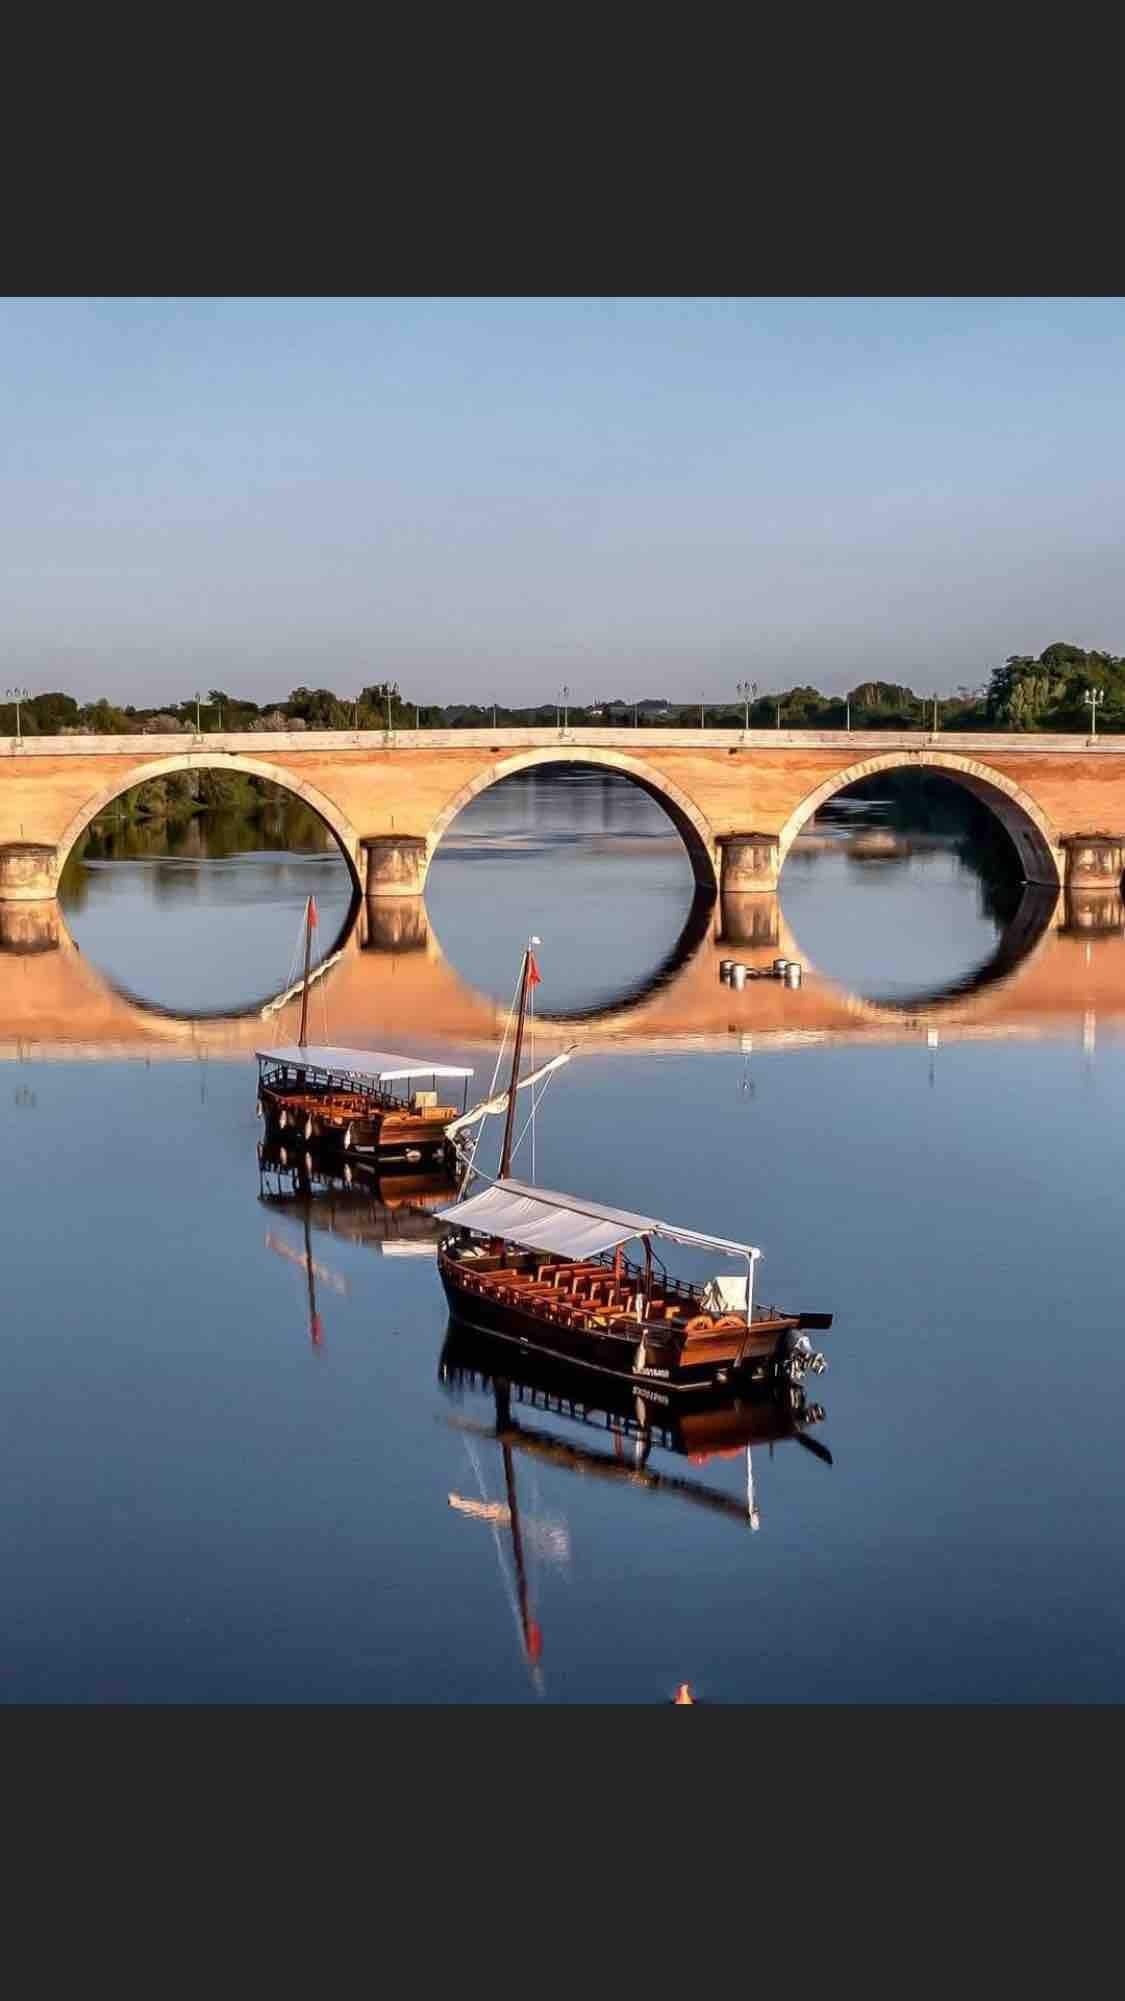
(213, 1486)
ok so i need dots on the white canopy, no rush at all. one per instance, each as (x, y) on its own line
(370, 1063)
(543, 1220)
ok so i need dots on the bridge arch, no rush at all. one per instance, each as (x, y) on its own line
(691, 825)
(337, 822)
(1035, 840)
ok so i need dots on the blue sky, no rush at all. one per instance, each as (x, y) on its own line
(484, 498)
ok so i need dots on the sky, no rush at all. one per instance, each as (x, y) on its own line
(485, 498)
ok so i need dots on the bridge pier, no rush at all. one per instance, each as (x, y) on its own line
(748, 863)
(753, 920)
(393, 865)
(393, 924)
(27, 872)
(1093, 913)
(27, 927)
(1093, 861)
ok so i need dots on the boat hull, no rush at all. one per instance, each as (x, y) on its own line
(642, 1358)
(362, 1129)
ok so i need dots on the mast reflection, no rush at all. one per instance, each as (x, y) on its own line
(388, 1213)
(633, 1425)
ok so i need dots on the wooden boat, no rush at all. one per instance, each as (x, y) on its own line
(546, 1270)
(359, 1101)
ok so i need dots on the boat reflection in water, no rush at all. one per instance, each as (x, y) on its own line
(629, 1425)
(389, 1213)
(355, 1199)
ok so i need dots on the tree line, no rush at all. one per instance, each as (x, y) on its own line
(1047, 691)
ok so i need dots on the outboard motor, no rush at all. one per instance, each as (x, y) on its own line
(799, 1357)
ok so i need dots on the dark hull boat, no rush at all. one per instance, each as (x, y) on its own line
(358, 1102)
(634, 1323)
(547, 1271)
(345, 1101)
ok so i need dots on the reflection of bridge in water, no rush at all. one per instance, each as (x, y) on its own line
(1059, 965)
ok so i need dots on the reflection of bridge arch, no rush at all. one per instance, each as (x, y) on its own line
(1035, 841)
(1043, 973)
(689, 822)
(286, 781)
(1023, 935)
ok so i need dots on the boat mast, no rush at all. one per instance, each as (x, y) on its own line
(517, 1052)
(310, 920)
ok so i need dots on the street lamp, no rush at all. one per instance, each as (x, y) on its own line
(1093, 698)
(18, 695)
(198, 724)
(936, 698)
(565, 701)
(779, 715)
(747, 692)
(494, 715)
(847, 712)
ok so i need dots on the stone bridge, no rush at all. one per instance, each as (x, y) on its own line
(1058, 969)
(738, 799)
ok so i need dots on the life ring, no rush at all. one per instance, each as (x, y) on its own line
(701, 1324)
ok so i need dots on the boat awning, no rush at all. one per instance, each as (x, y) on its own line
(543, 1220)
(377, 1064)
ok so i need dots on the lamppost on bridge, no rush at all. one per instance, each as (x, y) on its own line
(494, 715)
(1093, 698)
(936, 725)
(18, 695)
(847, 712)
(747, 693)
(198, 724)
(392, 690)
(565, 699)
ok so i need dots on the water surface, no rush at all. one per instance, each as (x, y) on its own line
(207, 1494)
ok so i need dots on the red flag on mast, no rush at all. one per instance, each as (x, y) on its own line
(313, 919)
(533, 977)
